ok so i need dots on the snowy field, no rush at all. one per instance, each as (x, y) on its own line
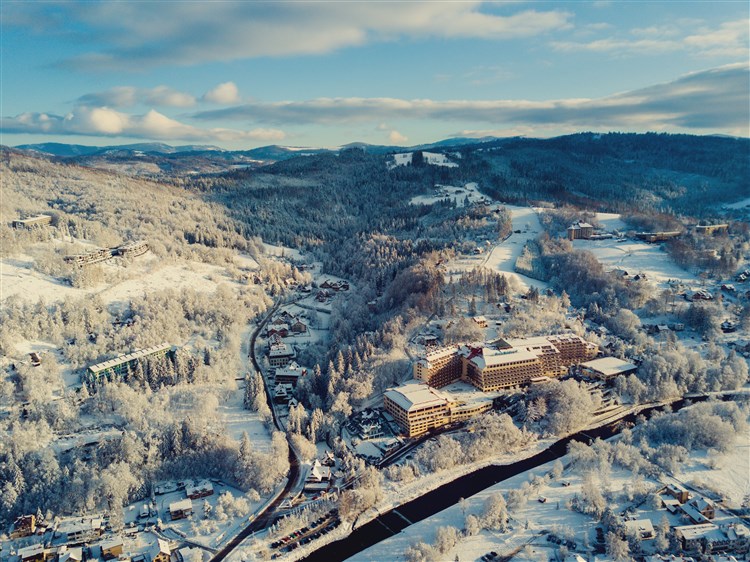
(503, 256)
(436, 159)
(611, 221)
(147, 274)
(457, 194)
(238, 420)
(637, 257)
(282, 251)
(725, 474)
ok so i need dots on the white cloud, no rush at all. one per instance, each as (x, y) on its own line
(138, 34)
(397, 138)
(730, 39)
(225, 93)
(128, 96)
(103, 121)
(714, 100)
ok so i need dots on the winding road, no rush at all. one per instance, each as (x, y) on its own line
(265, 518)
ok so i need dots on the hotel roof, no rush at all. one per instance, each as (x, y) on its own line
(413, 396)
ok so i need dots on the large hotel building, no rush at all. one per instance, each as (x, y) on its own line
(420, 407)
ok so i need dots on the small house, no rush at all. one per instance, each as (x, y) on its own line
(23, 526)
(200, 490)
(181, 509)
(112, 548)
(159, 551)
(641, 529)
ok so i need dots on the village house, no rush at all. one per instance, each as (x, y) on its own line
(677, 492)
(200, 490)
(282, 393)
(290, 374)
(698, 510)
(480, 321)
(112, 548)
(280, 354)
(641, 529)
(80, 531)
(181, 509)
(298, 327)
(23, 526)
(159, 551)
(74, 554)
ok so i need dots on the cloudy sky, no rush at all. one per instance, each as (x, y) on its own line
(245, 74)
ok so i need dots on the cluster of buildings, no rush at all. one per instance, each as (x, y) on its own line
(419, 406)
(158, 550)
(117, 368)
(700, 535)
(129, 250)
(506, 363)
(286, 324)
(285, 381)
(329, 288)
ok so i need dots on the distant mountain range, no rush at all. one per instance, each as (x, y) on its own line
(273, 153)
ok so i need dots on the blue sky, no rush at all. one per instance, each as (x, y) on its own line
(246, 74)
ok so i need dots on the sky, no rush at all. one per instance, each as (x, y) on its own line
(242, 74)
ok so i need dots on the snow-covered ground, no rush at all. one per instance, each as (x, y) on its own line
(239, 420)
(726, 474)
(503, 256)
(611, 222)
(637, 257)
(146, 274)
(282, 251)
(434, 158)
(741, 204)
(531, 521)
(457, 194)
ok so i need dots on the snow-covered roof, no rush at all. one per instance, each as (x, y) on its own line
(413, 395)
(30, 551)
(160, 546)
(129, 357)
(640, 527)
(492, 358)
(280, 350)
(440, 353)
(199, 488)
(181, 505)
(609, 366)
(690, 532)
(78, 525)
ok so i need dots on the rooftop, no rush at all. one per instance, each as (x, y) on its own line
(181, 505)
(414, 395)
(98, 367)
(609, 366)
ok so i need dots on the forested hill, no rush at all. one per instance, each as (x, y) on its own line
(621, 171)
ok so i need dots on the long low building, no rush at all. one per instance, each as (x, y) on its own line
(117, 368)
